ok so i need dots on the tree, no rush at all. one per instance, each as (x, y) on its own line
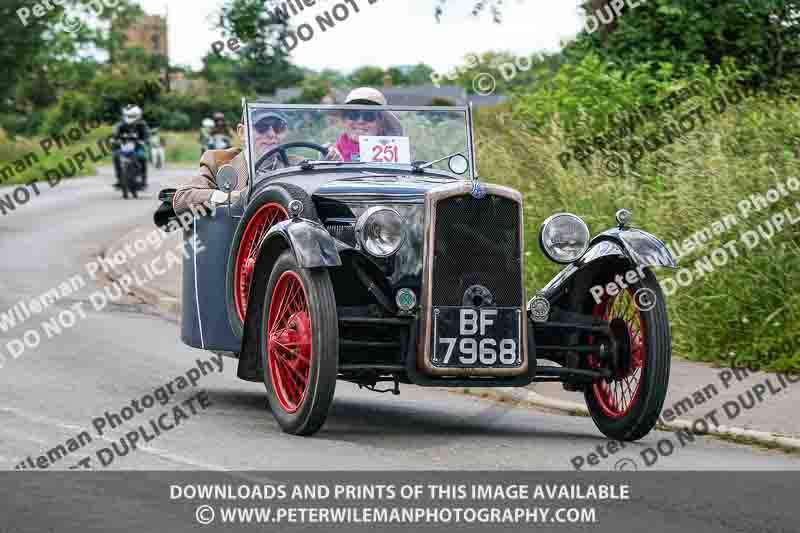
(419, 74)
(763, 35)
(263, 64)
(41, 56)
(367, 76)
(495, 8)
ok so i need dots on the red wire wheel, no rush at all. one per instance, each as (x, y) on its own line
(626, 405)
(616, 397)
(298, 345)
(258, 225)
(289, 341)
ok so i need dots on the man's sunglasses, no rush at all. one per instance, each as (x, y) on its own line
(367, 116)
(277, 125)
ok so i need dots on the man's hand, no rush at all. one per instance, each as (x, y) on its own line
(222, 198)
(333, 154)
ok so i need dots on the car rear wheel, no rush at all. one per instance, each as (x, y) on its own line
(248, 249)
(269, 208)
(627, 405)
(299, 345)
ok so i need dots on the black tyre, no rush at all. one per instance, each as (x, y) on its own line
(268, 208)
(125, 178)
(299, 345)
(627, 405)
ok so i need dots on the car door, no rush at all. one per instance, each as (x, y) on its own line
(204, 320)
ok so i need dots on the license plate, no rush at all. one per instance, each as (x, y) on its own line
(472, 337)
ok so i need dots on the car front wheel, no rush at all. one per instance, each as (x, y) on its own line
(299, 345)
(627, 405)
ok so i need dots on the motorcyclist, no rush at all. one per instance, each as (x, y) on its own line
(205, 134)
(131, 124)
(220, 135)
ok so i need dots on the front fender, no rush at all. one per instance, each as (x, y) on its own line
(640, 247)
(637, 247)
(312, 246)
(310, 242)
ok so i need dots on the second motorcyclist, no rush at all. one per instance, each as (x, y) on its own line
(132, 126)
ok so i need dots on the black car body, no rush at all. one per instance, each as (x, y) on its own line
(446, 308)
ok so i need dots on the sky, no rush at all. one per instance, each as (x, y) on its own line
(388, 32)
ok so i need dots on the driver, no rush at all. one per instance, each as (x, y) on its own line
(269, 130)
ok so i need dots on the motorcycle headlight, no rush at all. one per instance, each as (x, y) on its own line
(564, 238)
(380, 231)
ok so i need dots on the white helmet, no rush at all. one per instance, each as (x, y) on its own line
(131, 114)
(208, 123)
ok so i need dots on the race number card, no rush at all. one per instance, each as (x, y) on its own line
(381, 149)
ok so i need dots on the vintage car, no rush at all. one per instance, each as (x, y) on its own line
(394, 262)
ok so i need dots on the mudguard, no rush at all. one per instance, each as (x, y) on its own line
(312, 245)
(640, 248)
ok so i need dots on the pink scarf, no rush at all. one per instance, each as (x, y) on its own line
(348, 148)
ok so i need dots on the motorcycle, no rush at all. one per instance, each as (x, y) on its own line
(131, 178)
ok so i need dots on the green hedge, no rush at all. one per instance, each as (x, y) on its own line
(746, 312)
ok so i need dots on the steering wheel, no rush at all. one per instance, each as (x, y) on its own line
(281, 151)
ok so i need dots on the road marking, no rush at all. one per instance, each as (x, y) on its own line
(164, 454)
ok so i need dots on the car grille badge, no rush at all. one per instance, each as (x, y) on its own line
(478, 191)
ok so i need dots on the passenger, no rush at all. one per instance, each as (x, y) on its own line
(359, 123)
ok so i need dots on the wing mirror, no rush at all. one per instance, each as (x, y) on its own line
(226, 176)
(458, 164)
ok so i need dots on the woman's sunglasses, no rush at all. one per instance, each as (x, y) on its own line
(277, 125)
(366, 116)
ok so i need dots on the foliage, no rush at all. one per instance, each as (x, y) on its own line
(313, 89)
(11, 151)
(762, 36)
(583, 97)
(262, 65)
(367, 76)
(182, 148)
(494, 7)
(745, 312)
(73, 107)
(510, 72)
(41, 60)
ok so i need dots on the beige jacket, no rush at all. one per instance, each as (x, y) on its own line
(198, 190)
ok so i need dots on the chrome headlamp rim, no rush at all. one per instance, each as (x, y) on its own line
(362, 222)
(544, 249)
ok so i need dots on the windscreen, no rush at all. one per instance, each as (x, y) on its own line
(355, 134)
